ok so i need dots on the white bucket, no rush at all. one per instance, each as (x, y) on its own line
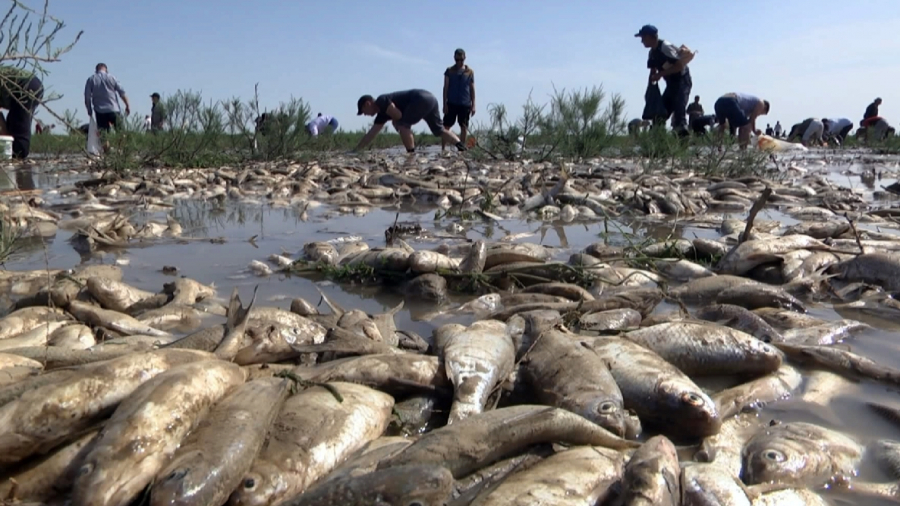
(6, 144)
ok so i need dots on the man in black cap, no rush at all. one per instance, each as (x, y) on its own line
(157, 114)
(404, 109)
(459, 95)
(667, 61)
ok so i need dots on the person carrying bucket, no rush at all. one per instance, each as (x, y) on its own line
(20, 93)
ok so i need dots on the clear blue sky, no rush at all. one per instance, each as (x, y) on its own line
(809, 58)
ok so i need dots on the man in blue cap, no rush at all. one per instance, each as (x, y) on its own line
(670, 63)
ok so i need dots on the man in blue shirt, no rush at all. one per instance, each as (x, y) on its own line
(459, 95)
(100, 97)
(667, 62)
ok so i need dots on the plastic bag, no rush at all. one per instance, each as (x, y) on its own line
(767, 143)
(654, 107)
(93, 138)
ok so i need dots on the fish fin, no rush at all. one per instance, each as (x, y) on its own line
(335, 308)
(237, 313)
(889, 413)
(397, 308)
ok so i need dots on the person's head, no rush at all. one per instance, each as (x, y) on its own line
(766, 106)
(878, 101)
(101, 67)
(147, 117)
(366, 105)
(649, 36)
(697, 99)
(459, 56)
(768, 125)
(154, 98)
(319, 115)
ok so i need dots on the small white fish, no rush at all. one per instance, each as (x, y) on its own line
(259, 268)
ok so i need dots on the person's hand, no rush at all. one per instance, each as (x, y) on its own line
(127, 110)
(655, 76)
(472, 110)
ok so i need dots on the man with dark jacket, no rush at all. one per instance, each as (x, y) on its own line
(20, 93)
(459, 95)
(667, 62)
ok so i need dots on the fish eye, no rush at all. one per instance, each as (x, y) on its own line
(177, 474)
(773, 455)
(415, 503)
(692, 399)
(86, 469)
(606, 408)
(249, 483)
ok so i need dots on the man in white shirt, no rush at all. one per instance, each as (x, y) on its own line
(320, 123)
(838, 128)
(778, 129)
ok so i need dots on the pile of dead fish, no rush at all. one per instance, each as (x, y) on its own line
(555, 394)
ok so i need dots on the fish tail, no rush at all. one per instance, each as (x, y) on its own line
(237, 314)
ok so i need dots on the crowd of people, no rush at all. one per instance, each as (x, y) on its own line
(21, 92)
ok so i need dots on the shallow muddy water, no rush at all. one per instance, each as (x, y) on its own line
(255, 230)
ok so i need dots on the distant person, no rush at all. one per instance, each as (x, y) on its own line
(694, 110)
(778, 129)
(769, 130)
(809, 132)
(738, 111)
(147, 122)
(157, 113)
(38, 127)
(838, 129)
(871, 115)
(320, 123)
(637, 125)
(100, 98)
(404, 109)
(459, 95)
(20, 93)
(667, 61)
(700, 123)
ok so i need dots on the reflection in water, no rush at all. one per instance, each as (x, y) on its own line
(25, 179)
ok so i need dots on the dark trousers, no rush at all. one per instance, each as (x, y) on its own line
(676, 99)
(21, 115)
(105, 120)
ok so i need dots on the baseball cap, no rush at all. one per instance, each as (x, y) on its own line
(359, 103)
(154, 95)
(459, 51)
(647, 30)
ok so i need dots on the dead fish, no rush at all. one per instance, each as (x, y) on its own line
(800, 454)
(705, 290)
(212, 338)
(841, 361)
(47, 478)
(47, 414)
(740, 318)
(755, 394)
(578, 476)
(703, 484)
(656, 390)
(275, 342)
(882, 269)
(470, 444)
(489, 477)
(759, 295)
(25, 319)
(73, 337)
(643, 300)
(652, 475)
(37, 336)
(119, 322)
(393, 373)
(320, 252)
(381, 259)
(707, 349)
(133, 445)
(787, 320)
(8, 360)
(612, 320)
(564, 374)
(725, 448)
(792, 497)
(474, 261)
(828, 333)
(186, 291)
(750, 254)
(476, 359)
(172, 317)
(567, 290)
(211, 461)
(115, 295)
(423, 262)
(310, 421)
(680, 269)
(422, 485)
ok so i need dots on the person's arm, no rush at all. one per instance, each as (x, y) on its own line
(369, 137)
(88, 94)
(472, 92)
(121, 91)
(446, 91)
(393, 112)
